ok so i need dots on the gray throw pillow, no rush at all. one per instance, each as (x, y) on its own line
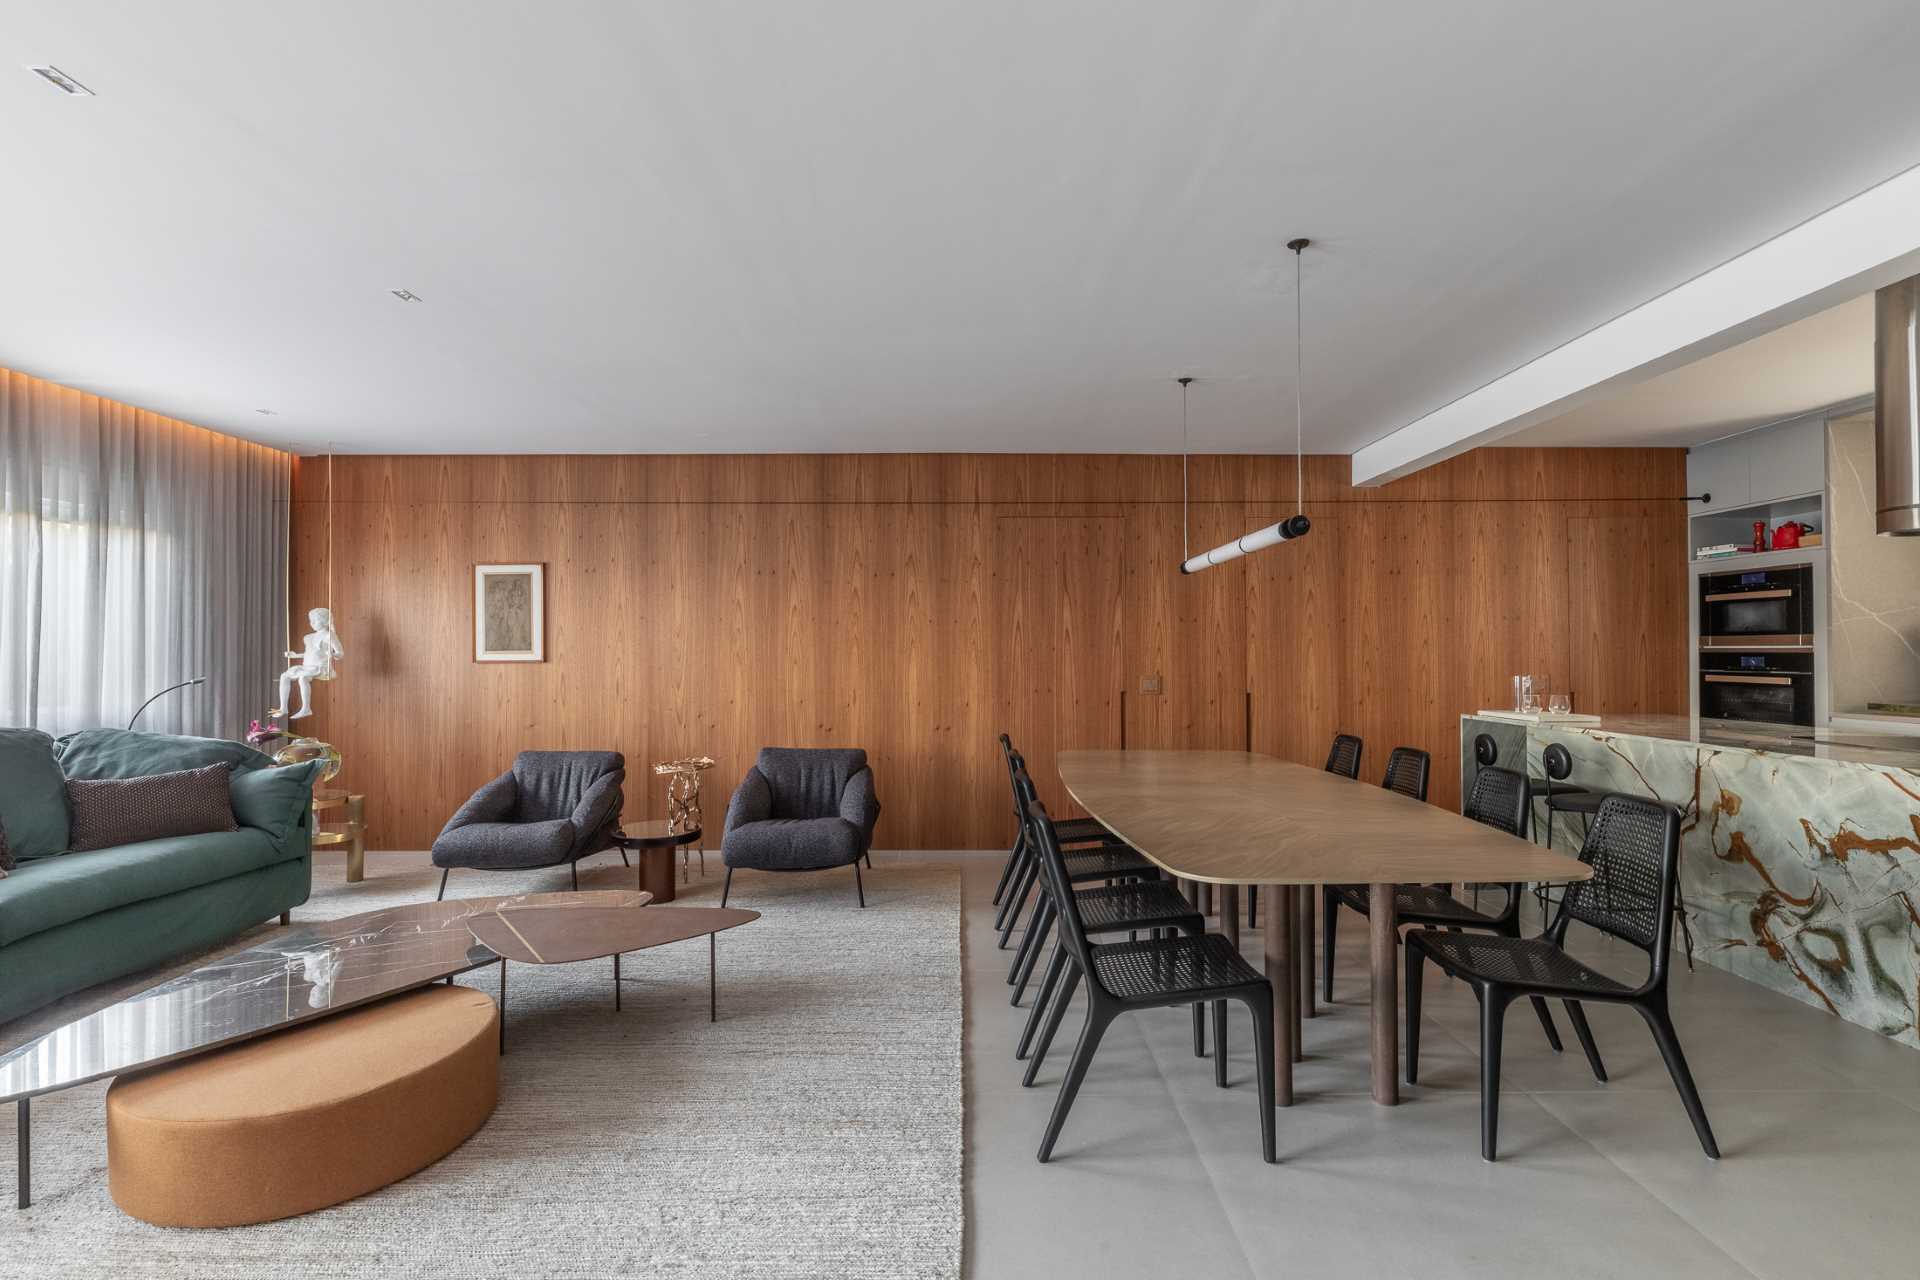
(116, 811)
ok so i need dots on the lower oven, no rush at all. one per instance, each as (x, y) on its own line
(1766, 688)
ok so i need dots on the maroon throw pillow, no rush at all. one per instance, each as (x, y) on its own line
(116, 811)
(6, 853)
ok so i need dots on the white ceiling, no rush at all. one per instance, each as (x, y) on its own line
(691, 225)
(1804, 366)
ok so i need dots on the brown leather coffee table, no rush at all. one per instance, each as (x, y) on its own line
(535, 936)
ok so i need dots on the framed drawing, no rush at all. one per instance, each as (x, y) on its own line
(510, 613)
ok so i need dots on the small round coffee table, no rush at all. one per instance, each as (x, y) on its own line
(652, 844)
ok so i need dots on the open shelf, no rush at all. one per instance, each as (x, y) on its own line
(1735, 524)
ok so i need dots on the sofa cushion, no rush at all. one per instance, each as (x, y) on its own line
(128, 753)
(275, 800)
(33, 794)
(499, 845)
(116, 811)
(792, 844)
(50, 892)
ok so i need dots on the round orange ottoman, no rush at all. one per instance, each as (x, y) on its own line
(307, 1117)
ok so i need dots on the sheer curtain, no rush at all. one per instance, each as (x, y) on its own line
(135, 551)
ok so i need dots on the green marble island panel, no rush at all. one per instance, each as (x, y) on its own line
(1799, 850)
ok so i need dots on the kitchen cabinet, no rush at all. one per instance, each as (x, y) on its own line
(1788, 460)
(1761, 466)
(1721, 469)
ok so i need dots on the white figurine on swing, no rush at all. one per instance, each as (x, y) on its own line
(318, 650)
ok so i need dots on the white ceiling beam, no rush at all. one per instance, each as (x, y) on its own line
(1870, 240)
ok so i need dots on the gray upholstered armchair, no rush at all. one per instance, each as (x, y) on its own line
(551, 807)
(802, 809)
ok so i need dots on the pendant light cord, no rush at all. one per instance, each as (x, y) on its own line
(1299, 436)
(329, 526)
(1186, 552)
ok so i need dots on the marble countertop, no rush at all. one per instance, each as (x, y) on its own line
(1844, 745)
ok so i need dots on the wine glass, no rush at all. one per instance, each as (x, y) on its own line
(1559, 704)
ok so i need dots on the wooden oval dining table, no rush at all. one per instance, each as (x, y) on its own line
(1232, 818)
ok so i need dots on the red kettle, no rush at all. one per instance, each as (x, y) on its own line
(1786, 535)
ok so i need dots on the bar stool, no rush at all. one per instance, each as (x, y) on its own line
(1562, 796)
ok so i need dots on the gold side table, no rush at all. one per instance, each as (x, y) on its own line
(351, 831)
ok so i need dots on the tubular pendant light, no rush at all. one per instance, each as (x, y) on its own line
(1294, 525)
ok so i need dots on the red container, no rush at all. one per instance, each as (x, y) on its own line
(1759, 535)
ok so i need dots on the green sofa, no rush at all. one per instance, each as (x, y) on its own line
(70, 920)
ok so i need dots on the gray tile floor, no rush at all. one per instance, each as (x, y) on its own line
(1158, 1173)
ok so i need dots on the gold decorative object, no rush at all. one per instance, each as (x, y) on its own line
(301, 750)
(349, 829)
(683, 790)
(683, 800)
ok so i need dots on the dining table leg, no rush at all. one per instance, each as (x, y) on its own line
(1230, 913)
(1302, 964)
(1384, 930)
(1303, 976)
(1277, 946)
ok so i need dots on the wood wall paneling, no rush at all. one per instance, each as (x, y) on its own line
(917, 605)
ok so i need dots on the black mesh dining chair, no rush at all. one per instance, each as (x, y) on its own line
(1569, 798)
(1153, 973)
(1107, 863)
(1070, 831)
(1344, 757)
(1108, 856)
(1151, 906)
(1407, 771)
(1633, 847)
(1498, 799)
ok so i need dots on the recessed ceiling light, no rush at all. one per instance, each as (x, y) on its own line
(405, 295)
(62, 81)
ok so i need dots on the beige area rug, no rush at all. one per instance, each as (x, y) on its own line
(814, 1130)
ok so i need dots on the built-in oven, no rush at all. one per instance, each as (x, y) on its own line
(1766, 688)
(1762, 609)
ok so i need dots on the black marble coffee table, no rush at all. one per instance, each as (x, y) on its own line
(306, 972)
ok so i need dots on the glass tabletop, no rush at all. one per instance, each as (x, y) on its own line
(304, 972)
(655, 831)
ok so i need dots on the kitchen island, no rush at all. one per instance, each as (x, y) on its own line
(1799, 849)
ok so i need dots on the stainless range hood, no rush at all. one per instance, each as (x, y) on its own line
(1896, 408)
